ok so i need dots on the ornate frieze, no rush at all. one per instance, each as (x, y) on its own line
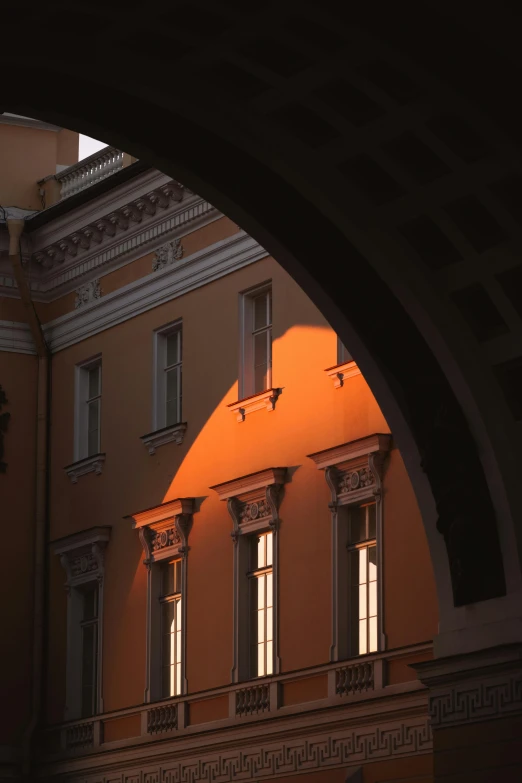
(167, 254)
(117, 221)
(87, 293)
(484, 685)
(164, 538)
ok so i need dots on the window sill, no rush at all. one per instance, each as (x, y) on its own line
(173, 433)
(341, 372)
(266, 399)
(92, 464)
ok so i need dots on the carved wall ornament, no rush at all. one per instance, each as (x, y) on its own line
(4, 420)
(82, 555)
(164, 530)
(87, 293)
(167, 254)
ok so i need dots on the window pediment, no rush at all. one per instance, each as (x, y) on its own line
(82, 554)
(164, 529)
(253, 500)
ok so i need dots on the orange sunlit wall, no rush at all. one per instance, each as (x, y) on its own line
(311, 415)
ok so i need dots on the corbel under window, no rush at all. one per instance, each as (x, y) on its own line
(82, 556)
(354, 474)
(253, 503)
(164, 532)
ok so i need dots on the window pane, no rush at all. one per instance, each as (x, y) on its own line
(373, 635)
(357, 530)
(172, 394)
(261, 592)
(261, 626)
(372, 520)
(261, 556)
(372, 610)
(167, 685)
(269, 658)
(363, 647)
(260, 378)
(269, 593)
(362, 566)
(372, 563)
(173, 346)
(260, 311)
(362, 601)
(167, 578)
(88, 669)
(269, 625)
(269, 549)
(167, 617)
(260, 660)
(93, 443)
(178, 646)
(90, 604)
(178, 678)
(269, 295)
(93, 415)
(94, 381)
(178, 615)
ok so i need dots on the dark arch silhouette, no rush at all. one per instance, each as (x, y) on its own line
(373, 152)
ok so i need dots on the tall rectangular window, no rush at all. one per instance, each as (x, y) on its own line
(261, 604)
(93, 403)
(171, 641)
(343, 355)
(256, 339)
(89, 650)
(87, 434)
(362, 554)
(168, 376)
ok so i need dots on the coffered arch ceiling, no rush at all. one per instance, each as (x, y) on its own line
(375, 152)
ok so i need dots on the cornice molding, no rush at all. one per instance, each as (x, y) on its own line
(27, 122)
(157, 288)
(265, 400)
(16, 337)
(164, 530)
(341, 372)
(172, 434)
(250, 483)
(352, 450)
(92, 464)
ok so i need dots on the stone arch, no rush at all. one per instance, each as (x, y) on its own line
(367, 162)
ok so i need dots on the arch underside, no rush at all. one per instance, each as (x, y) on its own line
(376, 157)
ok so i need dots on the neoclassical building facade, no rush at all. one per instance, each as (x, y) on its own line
(231, 573)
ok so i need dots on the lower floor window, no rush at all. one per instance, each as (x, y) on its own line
(171, 647)
(89, 663)
(261, 602)
(362, 553)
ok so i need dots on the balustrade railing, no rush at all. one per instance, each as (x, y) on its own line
(164, 718)
(89, 171)
(347, 681)
(250, 701)
(354, 679)
(80, 735)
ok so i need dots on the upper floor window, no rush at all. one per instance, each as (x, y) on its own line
(343, 355)
(88, 409)
(256, 341)
(262, 605)
(168, 376)
(171, 628)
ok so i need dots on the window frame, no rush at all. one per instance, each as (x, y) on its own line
(82, 556)
(354, 474)
(343, 354)
(81, 412)
(164, 532)
(246, 376)
(253, 504)
(159, 386)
